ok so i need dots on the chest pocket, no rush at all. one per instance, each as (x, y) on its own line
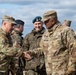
(57, 45)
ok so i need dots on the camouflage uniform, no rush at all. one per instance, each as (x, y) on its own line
(7, 51)
(59, 49)
(17, 36)
(36, 64)
(18, 61)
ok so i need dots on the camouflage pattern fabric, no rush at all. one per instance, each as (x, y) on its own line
(32, 41)
(7, 51)
(17, 62)
(17, 37)
(2, 73)
(59, 50)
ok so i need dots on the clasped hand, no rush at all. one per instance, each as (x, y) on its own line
(27, 55)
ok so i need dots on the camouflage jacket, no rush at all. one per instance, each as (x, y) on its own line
(17, 62)
(32, 41)
(59, 49)
(17, 37)
(7, 51)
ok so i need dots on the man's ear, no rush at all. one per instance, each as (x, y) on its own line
(4, 23)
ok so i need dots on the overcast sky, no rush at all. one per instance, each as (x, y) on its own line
(26, 10)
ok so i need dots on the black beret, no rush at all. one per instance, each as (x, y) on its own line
(36, 19)
(19, 22)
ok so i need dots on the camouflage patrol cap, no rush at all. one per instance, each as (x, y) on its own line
(10, 19)
(49, 14)
(37, 18)
(68, 22)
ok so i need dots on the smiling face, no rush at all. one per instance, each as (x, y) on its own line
(38, 25)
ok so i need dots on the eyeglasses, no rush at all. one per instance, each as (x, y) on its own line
(46, 21)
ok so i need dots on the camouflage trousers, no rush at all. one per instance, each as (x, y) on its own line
(31, 72)
(1, 73)
(4, 73)
(63, 74)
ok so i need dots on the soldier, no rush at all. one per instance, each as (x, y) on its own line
(60, 48)
(7, 50)
(67, 23)
(16, 36)
(17, 32)
(36, 65)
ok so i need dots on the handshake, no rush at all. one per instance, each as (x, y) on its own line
(21, 53)
(27, 55)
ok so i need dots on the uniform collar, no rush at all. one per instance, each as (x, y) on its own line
(54, 27)
(41, 31)
(2, 31)
(16, 31)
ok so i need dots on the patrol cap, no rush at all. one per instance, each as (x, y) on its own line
(36, 19)
(10, 19)
(68, 22)
(49, 14)
(19, 22)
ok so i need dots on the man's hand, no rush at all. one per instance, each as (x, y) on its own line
(16, 44)
(27, 55)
